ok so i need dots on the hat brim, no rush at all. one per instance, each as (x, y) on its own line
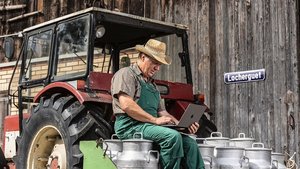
(163, 59)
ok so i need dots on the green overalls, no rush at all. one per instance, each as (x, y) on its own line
(174, 147)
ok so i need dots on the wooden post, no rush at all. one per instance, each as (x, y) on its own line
(40, 7)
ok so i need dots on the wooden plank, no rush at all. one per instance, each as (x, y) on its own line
(242, 89)
(217, 92)
(231, 57)
(40, 7)
(277, 75)
(268, 84)
(249, 60)
(136, 7)
(293, 81)
(225, 60)
(212, 54)
(282, 59)
(54, 9)
(194, 45)
(63, 7)
(201, 58)
(295, 44)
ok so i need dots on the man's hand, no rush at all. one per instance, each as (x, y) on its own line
(194, 128)
(164, 113)
(164, 120)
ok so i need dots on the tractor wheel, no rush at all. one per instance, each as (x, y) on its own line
(51, 136)
(3, 162)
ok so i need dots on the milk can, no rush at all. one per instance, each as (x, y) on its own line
(137, 154)
(217, 140)
(259, 156)
(112, 147)
(207, 153)
(231, 158)
(278, 160)
(242, 141)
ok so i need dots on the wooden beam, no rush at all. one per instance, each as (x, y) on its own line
(24, 16)
(12, 7)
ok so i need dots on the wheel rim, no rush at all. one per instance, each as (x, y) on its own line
(47, 150)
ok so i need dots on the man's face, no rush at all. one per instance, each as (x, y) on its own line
(149, 66)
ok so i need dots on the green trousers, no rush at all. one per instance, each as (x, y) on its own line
(175, 149)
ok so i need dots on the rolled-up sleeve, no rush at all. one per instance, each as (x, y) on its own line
(123, 82)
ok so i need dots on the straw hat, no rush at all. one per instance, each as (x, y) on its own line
(156, 50)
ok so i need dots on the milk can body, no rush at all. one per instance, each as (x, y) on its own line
(259, 157)
(231, 158)
(113, 147)
(207, 153)
(138, 154)
(278, 160)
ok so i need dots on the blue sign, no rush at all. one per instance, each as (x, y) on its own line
(245, 76)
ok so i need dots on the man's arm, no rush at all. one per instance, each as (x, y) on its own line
(129, 106)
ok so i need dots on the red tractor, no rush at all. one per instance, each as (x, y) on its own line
(65, 69)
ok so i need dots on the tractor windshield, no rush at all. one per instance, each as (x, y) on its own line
(72, 47)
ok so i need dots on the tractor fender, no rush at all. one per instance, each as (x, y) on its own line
(82, 96)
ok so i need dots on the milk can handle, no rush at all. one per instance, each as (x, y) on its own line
(138, 134)
(276, 163)
(243, 159)
(149, 154)
(218, 133)
(203, 139)
(114, 136)
(104, 142)
(209, 159)
(117, 155)
(261, 144)
(242, 135)
(110, 155)
(246, 159)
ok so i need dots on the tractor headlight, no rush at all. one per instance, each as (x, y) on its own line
(100, 31)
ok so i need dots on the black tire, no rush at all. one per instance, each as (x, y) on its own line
(3, 162)
(64, 119)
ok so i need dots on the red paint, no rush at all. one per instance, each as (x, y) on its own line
(57, 87)
(177, 108)
(100, 81)
(11, 165)
(54, 164)
(63, 87)
(11, 123)
(177, 91)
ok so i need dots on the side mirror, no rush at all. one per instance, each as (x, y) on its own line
(9, 47)
(125, 61)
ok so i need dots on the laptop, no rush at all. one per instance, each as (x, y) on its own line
(191, 114)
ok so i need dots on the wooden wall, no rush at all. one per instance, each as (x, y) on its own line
(253, 35)
(226, 36)
(238, 35)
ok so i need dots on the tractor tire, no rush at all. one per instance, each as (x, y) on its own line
(51, 135)
(3, 162)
